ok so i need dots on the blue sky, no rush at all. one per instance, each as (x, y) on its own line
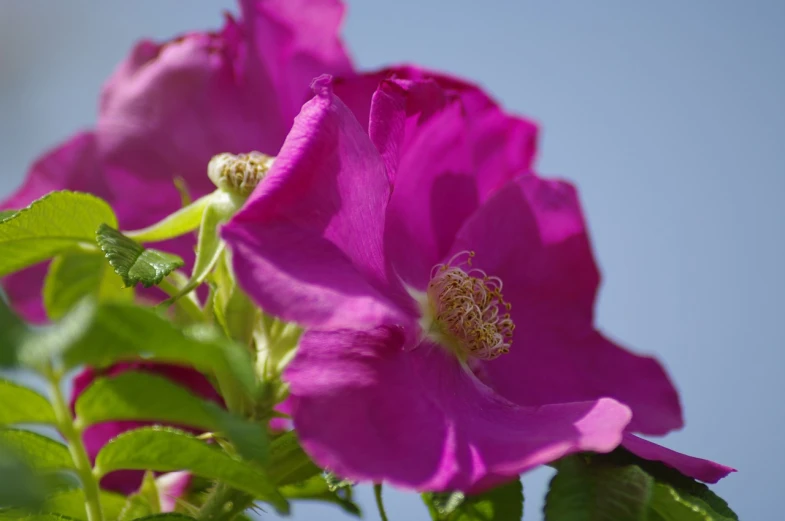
(668, 115)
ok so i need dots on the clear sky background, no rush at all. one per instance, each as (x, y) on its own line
(669, 116)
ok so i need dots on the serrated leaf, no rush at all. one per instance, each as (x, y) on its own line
(166, 450)
(135, 507)
(99, 335)
(132, 261)
(136, 395)
(503, 503)
(57, 222)
(686, 488)
(6, 214)
(77, 275)
(23, 405)
(289, 463)
(583, 491)
(39, 452)
(318, 489)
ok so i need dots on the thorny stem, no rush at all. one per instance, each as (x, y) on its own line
(223, 504)
(73, 436)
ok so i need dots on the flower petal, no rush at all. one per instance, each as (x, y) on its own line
(292, 42)
(696, 468)
(454, 152)
(368, 410)
(308, 243)
(171, 487)
(531, 234)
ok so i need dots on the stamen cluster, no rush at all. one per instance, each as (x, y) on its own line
(239, 173)
(469, 308)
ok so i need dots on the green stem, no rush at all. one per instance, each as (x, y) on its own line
(187, 304)
(377, 493)
(84, 469)
(223, 504)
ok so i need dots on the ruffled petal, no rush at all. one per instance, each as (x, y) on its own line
(308, 243)
(290, 43)
(531, 234)
(369, 410)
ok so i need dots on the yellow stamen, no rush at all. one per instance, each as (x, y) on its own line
(239, 173)
(468, 309)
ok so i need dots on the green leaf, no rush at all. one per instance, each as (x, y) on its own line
(184, 220)
(136, 507)
(503, 503)
(132, 261)
(35, 517)
(170, 516)
(318, 489)
(71, 503)
(23, 405)
(6, 214)
(13, 333)
(99, 335)
(19, 486)
(584, 490)
(57, 222)
(145, 396)
(39, 452)
(166, 450)
(668, 505)
(289, 463)
(77, 275)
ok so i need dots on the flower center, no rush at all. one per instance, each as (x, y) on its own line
(239, 173)
(468, 309)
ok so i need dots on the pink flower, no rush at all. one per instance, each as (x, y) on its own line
(170, 107)
(96, 436)
(342, 234)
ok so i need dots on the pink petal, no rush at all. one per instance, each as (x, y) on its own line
(696, 468)
(292, 42)
(531, 234)
(370, 411)
(171, 487)
(307, 245)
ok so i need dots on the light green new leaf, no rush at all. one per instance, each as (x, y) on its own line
(23, 405)
(132, 261)
(57, 222)
(184, 220)
(165, 450)
(593, 491)
(503, 503)
(99, 335)
(77, 275)
(144, 396)
(39, 452)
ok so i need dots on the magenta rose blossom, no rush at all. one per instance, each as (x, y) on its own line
(382, 386)
(96, 436)
(170, 107)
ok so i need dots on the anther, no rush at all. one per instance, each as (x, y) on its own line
(239, 174)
